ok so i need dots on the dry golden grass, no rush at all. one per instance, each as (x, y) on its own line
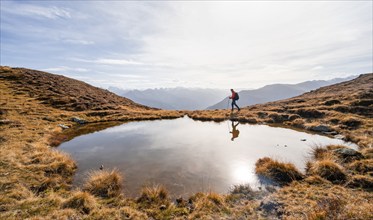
(118, 214)
(362, 166)
(316, 180)
(207, 204)
(154, 195)
(81, 201)
(361, 181)
(367, 153)
(324, 201)
(320, 152)
(329, 170)
(277, 172)
(104, 183)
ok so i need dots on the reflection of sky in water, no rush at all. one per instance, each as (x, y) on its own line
(188, 156)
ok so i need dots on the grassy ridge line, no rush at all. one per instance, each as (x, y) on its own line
(63, 92)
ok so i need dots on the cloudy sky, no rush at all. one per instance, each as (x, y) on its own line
(191, 44)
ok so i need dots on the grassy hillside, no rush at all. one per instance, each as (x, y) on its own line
(62, 92)
(35, 178)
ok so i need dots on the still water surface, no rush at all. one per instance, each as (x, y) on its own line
(189, 156)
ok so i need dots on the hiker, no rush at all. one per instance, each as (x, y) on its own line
(234, 131)
(234, 98)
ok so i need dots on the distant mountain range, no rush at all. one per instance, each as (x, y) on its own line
(276, 92)
(174, 98)
(181, 98)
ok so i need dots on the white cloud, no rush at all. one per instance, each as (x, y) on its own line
(37, 11)
(212, 44)
(106, 61)
(116, 62)
(76, 41)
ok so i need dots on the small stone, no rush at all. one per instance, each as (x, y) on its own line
(348, 154)
(339, 136)
(320, 128)
(48, 119)
(63, 126)
(78, 120)
(162, 207)
(270, 206)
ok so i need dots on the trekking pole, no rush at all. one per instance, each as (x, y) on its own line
(228, 104)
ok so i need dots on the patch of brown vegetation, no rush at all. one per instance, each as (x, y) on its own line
(361, 181)
(154, 195)
(104, 183)
(81, 201)
(323, 201)
(362, 166)
(277, 172)
(62, 92)
(328, 170)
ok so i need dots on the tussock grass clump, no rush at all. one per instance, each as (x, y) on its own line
(62, 214)
(316, 180)
(319, 153)
(279, 173)
(244, 190)
(46, 183)
(361, 181)
(328, 208)
(57, 139)
(362, 166)
(309, 113)
(352, 123)
(277, 118)
(207, 203)
(62, 164)
(328, 170)
(154, 195)
(292, 117)
(334, 147)
(104, 183)
(367, 153)
(332, 102)
(298, 122)
(81, 201)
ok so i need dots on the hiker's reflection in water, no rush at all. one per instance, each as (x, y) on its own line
(235, 132)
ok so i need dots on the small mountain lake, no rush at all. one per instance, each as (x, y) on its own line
(189, 156)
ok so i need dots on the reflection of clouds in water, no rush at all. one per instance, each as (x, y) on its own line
(131, 126)
(96, 149)
(317, 140)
